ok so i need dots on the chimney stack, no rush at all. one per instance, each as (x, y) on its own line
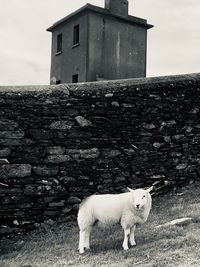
(117, 7)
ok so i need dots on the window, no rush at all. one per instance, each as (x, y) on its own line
(59, 43)
(76, 35)
(75, 78)
(58, 81)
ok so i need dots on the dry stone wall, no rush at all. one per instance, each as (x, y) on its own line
(59, 144)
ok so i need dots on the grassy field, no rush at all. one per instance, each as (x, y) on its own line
(56, 246)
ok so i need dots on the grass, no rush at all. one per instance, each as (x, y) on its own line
(56, 246)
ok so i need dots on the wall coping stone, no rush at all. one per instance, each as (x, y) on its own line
(101, 86)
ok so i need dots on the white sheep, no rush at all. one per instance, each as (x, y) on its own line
(128, 209)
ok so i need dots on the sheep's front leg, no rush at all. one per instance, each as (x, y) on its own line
(132, 236)
(126, 237)
(81, 241)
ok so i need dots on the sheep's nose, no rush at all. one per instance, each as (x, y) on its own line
(137, 206)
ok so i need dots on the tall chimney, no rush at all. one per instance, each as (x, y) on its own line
(117, 7)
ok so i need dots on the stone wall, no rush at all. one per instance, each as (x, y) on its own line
(61, 143)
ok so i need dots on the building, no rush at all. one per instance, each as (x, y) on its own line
(95, 43)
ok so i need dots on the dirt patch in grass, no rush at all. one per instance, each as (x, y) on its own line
(56, 245)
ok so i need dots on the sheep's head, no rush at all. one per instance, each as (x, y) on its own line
(140, 197)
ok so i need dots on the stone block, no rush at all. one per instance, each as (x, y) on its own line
(73, 153)
(83, 178)
(146, 134)
(45, 170)
(55, 150)
(41, 134)
(10, 142)
(57, 204)
(17, 134)
(157, 145)
(30, 190)
(61, 125)
(178, 136)
(61, 90)
(52, 213)
(83, 122)
(44, 189)
(5, 152)
(188, 129)
(181, 166)
(119, 179)
(24, 205)
(191, 168)
(115, 104)
(66, 210)
(108, 181)
(148, 126)
(127, 105)
(109, 95)
(65, 180)
(46, 200)
(11, 190)
(167, 139)
(15, 170)
(110, 153)
(19, 213)
(158, 177)
(92, 153)
(73, 200)
(130, 151)
(16, 199)
(176, 154)
(75, 207)
(56, 159)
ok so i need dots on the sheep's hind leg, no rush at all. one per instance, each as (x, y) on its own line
(126, 237)
(132, 236)
(81, 241)
(87, 238)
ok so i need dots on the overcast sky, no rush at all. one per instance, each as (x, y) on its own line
(173, 43)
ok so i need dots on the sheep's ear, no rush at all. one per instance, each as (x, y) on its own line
(149, 189)
(129, 189)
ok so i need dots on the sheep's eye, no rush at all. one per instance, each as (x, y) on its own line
(143, 196)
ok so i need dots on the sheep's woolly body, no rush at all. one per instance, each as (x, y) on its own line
(112, 209)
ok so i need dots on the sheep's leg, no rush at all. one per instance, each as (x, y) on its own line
(87, 238)
(132, 236)
(81, 241)
(126, 237)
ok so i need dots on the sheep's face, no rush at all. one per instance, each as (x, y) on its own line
(140, 197)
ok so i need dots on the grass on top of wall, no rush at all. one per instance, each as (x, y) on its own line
(56, 246)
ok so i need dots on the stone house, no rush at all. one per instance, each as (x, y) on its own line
(95, 43)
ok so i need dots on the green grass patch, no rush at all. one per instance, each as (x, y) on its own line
(56, 246)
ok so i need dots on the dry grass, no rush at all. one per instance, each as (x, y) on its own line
(167, 246)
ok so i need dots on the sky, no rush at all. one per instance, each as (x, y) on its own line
(25, 45)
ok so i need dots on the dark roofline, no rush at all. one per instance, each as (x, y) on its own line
(100, 10)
